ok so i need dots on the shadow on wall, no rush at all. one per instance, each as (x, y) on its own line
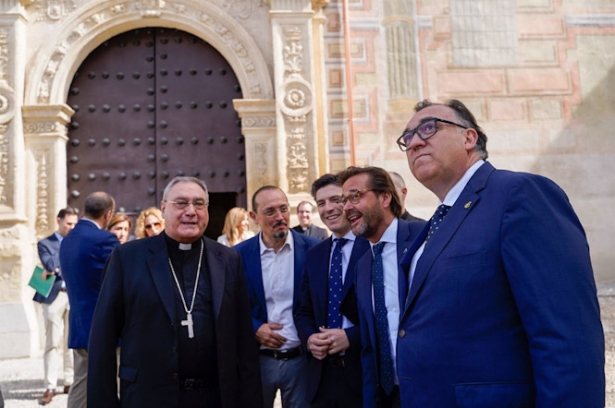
(581, 159)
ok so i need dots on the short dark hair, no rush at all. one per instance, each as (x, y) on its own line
(97, 204)
(66, 211)
(261, 189)
(379, 181)
(466, 117)
(324, 181)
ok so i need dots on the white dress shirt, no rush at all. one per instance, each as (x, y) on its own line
(278, 282)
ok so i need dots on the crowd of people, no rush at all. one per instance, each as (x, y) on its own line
(490, 303)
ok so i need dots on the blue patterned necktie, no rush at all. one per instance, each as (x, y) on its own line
(334, 315)
(385, 362)
(437, 218)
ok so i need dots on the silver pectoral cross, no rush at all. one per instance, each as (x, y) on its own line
(188, 322)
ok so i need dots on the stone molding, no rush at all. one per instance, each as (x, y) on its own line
(86, 28)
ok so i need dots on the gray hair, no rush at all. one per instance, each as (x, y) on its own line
(184, 179)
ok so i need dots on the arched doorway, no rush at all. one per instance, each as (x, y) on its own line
(151, 104)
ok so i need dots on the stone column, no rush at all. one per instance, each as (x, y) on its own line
(258, 125)
(18, 328)
(295, 80)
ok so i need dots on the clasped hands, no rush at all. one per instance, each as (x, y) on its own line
(327, 341)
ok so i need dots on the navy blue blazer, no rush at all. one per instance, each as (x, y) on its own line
(312, 310)
(406, 232)
(83, 254)
(137, 305)
(502, 310)
(49, 254)
(250, 253)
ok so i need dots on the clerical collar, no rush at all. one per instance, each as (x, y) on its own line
(176, 245)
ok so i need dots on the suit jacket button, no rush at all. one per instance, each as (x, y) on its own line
(402, 333)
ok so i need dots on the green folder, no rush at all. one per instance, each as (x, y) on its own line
(42, 286)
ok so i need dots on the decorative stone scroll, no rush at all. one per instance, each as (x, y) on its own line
(4, 164)
(54, 10)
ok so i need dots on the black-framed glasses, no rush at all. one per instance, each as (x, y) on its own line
(425, 130)
(181, 204)
(355, 196)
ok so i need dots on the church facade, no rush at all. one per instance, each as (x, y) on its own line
(123, 95)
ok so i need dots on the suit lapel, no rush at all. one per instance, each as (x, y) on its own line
(320, 286)
(254, 273)
(465, 203)
(158, 265)
(217, 272)
(360, 247)
(403, 243)
(299, 255)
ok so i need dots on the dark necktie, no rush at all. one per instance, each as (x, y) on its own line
(385, 362)
(334, 315)
(437, 218)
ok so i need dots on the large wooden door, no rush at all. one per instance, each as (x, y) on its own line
(152, 104)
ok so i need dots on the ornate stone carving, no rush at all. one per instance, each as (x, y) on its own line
(42, 189)
(260, 170)
(54, 10)
(42, 127)
(296, 106)
(150, 8)
(240, 9)
(4, 55)
(4, 164)
(258, 122)
(6, 92)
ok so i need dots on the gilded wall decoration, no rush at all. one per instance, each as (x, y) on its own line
(42, 190)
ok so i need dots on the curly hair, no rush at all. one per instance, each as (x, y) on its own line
(140, 227)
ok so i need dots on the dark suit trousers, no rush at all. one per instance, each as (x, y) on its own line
(389, 401)
(334, 390)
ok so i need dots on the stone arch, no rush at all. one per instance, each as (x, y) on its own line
(85, 30)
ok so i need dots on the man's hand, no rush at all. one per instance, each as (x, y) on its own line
(266, 335)
(47, 274)
(338, 340)
(318, 344)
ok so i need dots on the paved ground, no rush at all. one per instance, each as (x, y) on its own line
(21, 380)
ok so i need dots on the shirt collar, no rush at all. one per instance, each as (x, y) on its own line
(289, 241)
(58, 236)
(455, 192)
(349, 236)
(390, 234)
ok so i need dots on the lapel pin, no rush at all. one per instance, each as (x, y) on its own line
(467, 205)
(405, 250)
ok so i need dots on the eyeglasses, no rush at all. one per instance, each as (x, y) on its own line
(150, 226)
(355, 196)
(425, 130)
(270, 212)
(182, 204)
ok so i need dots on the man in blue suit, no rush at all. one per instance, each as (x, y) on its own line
(83, 255)
(274, 261)
(327, 317)
(502, 308)
(55, 307)
(374, 209)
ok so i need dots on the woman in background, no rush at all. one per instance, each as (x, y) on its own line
(149, 223)
(120, 225)
(236, 227)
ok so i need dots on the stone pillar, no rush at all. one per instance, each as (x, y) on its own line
(258, 125)
(18, 328)
(295, 81)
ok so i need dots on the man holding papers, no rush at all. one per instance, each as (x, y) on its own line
(55, 307)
